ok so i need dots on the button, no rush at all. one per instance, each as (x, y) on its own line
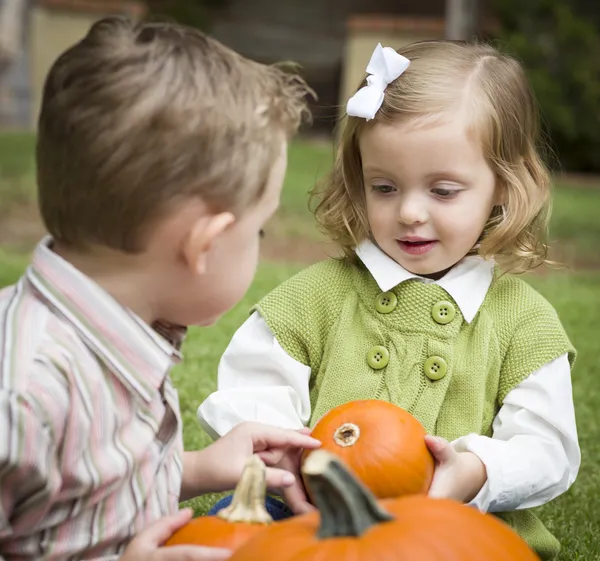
(378, 357)
(443, 312)
(386, 302)
(435, 368)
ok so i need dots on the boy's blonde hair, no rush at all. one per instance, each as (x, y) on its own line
(138, 118)
(446, 76)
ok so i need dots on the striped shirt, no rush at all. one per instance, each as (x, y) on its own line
(90, 430)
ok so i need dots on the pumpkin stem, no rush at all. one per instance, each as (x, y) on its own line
(347, 434)
(348, 509)
(248, 502)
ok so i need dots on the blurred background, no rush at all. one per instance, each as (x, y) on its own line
(558, 42)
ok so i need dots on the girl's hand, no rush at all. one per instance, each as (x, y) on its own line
(146, 546)
(458, 475)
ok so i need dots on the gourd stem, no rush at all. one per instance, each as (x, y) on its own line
(347, 508)
(347, 435)
(248, 502)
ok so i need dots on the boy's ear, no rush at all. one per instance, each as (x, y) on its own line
(200, 238)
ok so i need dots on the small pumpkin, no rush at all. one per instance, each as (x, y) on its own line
(352, 525)
(381, 443)
(233, 525)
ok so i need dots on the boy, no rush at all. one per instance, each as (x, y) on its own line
(160, 156)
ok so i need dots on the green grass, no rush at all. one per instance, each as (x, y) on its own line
(17, 184)
(575, 517)
(576, 221)
(308, 162)
(16, 154)
(12, 266)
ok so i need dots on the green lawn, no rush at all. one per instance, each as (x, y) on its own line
(11, 266)
(574, 517)
(576, 222)
(16, 170)
(306, 164)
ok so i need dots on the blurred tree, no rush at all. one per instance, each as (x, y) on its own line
(461, 19)
(560, 48)
(196, 13)
(588, 9)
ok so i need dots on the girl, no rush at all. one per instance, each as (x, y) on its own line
(437, 191)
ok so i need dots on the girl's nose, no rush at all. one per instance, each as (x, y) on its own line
(412, 210)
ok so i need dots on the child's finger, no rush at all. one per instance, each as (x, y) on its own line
(437, 490)
(279, 478)
(194, 553)
(159, 532)
(265, 437)
(272, 456)
(300, 440)
(295, 497)
(439, 448)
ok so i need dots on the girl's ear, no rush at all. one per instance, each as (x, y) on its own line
(500, 193)
(200, 238)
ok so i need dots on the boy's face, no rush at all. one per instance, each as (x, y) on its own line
(232, 259)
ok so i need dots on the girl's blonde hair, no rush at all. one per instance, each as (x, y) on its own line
(492, 89)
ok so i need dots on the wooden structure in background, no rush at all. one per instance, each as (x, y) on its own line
(55, 25)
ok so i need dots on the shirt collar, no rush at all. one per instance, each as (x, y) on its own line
(467, 282)
(137, 354)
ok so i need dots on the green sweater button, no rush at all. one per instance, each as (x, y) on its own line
(435, 368)
(378, 357)
(443, 312)
(386, 302)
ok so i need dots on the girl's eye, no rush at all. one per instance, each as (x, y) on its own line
(446, 193)
(261, 234)
(383, 188)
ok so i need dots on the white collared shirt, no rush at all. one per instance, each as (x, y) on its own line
(533, 455)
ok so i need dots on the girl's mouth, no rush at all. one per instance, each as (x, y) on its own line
(416, 246)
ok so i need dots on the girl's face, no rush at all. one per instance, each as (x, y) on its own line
(429, 192)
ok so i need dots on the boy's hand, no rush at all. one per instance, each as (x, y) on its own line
(458, 475)
(146, 546)
(219, 466)
(295, 495)
(272, 444)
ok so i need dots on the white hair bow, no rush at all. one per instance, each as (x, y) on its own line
(383, 68)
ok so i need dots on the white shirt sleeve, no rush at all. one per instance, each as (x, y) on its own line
(533, 455)
(257, 381)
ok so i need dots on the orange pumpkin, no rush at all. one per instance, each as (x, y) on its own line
(381, 443)
(352, 525)
(235, 524)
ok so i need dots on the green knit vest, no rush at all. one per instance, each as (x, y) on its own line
(329, 317)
